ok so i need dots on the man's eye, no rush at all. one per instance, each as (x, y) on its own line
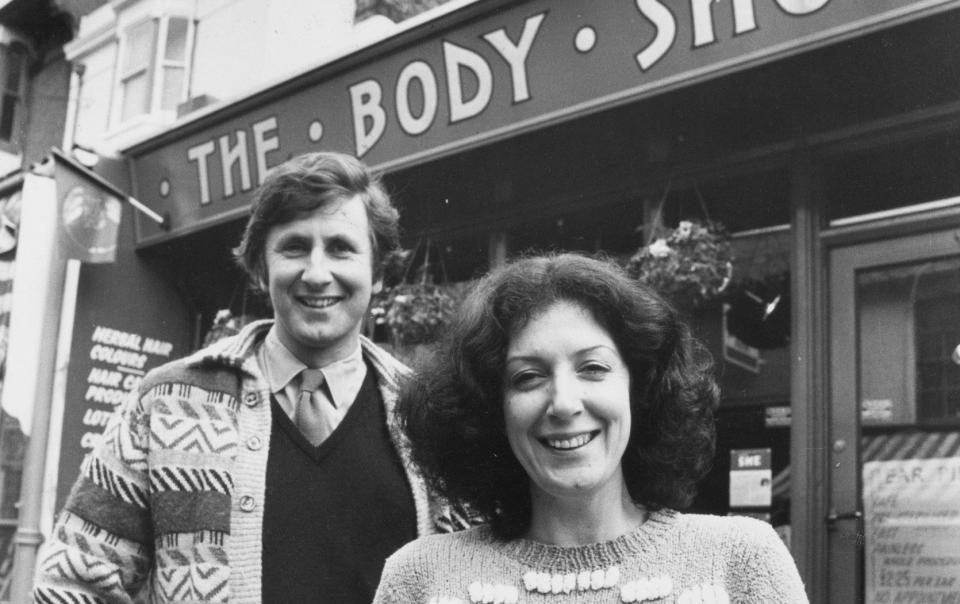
(292, 248)
(340, 247)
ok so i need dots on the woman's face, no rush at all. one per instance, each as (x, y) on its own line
(567, 403)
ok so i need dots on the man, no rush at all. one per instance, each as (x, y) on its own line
(268, 466)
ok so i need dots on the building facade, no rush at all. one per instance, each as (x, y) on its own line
(820, 135)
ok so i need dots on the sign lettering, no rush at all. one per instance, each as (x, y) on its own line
(521, 66)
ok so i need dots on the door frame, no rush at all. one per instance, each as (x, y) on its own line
(847, 256)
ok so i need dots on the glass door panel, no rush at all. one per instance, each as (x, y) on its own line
(894, 523)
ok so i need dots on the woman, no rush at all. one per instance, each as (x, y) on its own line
(573, 410)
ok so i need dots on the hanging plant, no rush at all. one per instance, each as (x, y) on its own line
(759, 311)
(691, 264)
(417, 310)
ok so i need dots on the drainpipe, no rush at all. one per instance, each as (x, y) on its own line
(73, 107)
(52, 314)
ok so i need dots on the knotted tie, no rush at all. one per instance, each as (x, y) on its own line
(310, 418)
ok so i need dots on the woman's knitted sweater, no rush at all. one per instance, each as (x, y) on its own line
(672, 557)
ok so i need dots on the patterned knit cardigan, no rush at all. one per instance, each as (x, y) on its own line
(172, 498)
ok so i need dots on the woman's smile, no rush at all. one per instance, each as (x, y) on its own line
(569, 443)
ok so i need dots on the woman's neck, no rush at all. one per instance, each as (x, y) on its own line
(581, 520)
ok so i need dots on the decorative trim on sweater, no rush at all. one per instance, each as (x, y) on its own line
(694, 558)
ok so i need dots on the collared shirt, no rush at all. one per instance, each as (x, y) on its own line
(281, 369)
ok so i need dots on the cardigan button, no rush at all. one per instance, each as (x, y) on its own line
(247, 503)
(251, 399)
(254, 443)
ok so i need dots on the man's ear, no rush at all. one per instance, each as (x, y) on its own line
(377, 286)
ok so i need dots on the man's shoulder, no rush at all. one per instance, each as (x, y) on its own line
(216, 367)
(388, 367)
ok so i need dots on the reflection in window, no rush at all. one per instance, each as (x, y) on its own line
(909, 326)
(938, 334)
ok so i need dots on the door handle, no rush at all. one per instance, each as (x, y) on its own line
(833, 516)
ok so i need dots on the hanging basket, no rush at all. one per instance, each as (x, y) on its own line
(417, 313)
(691, 264)
(414, 309)
(759, 311)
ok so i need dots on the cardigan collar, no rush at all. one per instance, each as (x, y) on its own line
(239, 351)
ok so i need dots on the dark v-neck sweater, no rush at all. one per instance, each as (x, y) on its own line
(334, 512)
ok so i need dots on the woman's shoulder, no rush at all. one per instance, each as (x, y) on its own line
(430, 549)
(742, 531)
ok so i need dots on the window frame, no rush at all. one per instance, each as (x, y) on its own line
(155, 71)
(7, 53)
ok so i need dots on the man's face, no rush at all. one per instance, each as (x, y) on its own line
(319, 275)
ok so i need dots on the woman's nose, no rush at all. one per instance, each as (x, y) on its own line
(565, 397)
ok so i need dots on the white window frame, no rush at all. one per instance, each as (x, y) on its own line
(155, 71)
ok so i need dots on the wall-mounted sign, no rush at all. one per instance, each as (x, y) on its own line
(912, 525)
(751, 478)
(443, 88)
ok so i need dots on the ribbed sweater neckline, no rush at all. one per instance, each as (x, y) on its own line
(558, 558)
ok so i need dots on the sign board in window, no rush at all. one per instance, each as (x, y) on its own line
(750, 478)
(912, 526)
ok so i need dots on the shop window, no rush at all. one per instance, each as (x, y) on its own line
(154, 66)
(13, 63)
(938, 336)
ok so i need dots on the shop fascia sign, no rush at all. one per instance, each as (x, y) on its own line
(517, 68)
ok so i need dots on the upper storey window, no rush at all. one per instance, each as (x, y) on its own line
(153, 66)
(13, 67)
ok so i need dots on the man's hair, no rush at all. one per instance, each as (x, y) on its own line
(453, 411)
(303, 184)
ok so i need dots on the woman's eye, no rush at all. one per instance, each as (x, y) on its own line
(594, 369)
(524, 379)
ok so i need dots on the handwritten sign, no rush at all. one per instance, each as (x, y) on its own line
(912, 522)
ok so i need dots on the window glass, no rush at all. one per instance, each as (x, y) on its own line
(15, 60)
(135, 96)
(176, 40)
(173, 78)
(8, 112)
(139, 47)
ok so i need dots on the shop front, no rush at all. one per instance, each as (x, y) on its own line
(820, 138)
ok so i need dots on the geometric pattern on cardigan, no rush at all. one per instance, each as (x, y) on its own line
(191, 419)
(167, 478)
(99, 557)
(197, 581)
(101, 475)
(177, 441)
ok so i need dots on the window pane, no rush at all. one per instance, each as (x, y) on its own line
(176, 40)
(172, 87)
(15, 59)
(139, 46)
(135, 92)
(8, 112)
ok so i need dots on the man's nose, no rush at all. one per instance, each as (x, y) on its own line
(316, 270)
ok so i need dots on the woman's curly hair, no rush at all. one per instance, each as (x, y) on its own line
(453, 411)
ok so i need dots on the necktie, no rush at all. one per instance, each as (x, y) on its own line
(310, 418)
